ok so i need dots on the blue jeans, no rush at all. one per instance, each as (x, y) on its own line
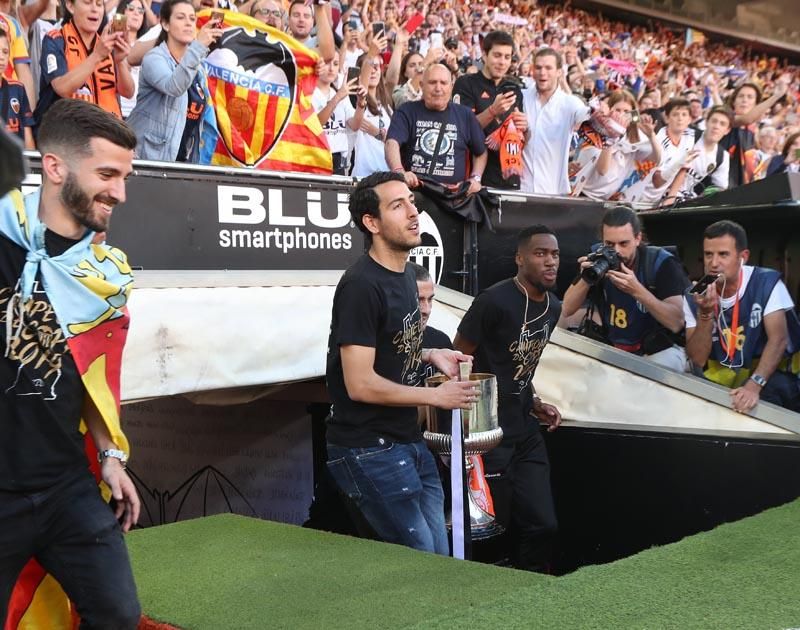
(396, 488)
(73, 534)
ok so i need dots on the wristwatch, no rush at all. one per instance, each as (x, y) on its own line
(758, 380)
(122, 456)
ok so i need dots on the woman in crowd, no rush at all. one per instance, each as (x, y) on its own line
(93, 67)
(334, 109)
(609, 162)
(373, 113)
(788, 160)
(411, 69)
(135, 26)
(173, 87)
(748, 109)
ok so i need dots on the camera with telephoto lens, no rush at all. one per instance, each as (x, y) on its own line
(603, 260)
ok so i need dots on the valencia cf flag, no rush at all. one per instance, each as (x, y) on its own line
(260, 81)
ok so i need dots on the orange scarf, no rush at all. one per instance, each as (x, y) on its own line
(509, 142)
(101, 87)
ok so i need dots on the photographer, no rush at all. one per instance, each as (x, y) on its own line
(494, 100)
(638, 291)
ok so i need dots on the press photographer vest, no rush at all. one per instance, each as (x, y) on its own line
(101, 86)
(627, 322)
(751, 337)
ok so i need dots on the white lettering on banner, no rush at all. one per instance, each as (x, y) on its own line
(430, 253)
(232, 198)
(243, 205)
(284, 240)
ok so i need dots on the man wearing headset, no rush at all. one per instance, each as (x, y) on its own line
(743, 330)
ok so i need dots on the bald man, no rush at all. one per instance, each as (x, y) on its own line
(435, 138)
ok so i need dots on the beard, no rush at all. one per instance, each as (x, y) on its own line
(78, 202)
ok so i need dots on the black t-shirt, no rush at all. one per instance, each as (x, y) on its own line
(416, 129)
(433, 338)
(41, 392)
(738, 142)
(478, 93)
(194, 111)
(377, 308)
(626, 320)
(508, 347)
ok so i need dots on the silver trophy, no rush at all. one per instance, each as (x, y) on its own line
(481, 434)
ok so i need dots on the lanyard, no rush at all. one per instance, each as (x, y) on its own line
(729, 346)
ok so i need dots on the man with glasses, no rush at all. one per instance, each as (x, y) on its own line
(269, 12)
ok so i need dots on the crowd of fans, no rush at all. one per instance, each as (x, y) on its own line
(569, 102)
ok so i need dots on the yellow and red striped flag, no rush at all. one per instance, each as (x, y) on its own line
(260, 82)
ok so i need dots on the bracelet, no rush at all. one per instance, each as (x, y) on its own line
(476, 176)
(399, 169)
(706, 317)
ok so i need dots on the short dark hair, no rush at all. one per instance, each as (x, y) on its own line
(497, 38)
(549, 52)
(727, 228)
(619, 216)
(421, 274)
(525, 234)
(364, 199)
(722, 110)
(303, 2)
(675, 103)
(69, 125)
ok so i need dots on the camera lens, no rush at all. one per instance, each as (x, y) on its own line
(592, 275)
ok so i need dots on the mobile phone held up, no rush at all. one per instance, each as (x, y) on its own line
(119, 23)
(217, 17)
(703, 283)
(353, 73)
(378, 28)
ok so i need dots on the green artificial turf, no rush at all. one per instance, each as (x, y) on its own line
(234, 572)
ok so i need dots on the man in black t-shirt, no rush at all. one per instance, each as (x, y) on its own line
(51, 508)
(376, 454)
(641, 304)
(435, 138)
(493, 100)
(507, 327)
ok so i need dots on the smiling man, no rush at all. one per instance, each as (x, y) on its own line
(376, 454)
(552, 117)
(436, 138)
(63, 300)
(507, 327)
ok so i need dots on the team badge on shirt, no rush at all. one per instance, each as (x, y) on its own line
(15, 106)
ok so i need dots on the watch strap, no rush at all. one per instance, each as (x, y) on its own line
(122, 456)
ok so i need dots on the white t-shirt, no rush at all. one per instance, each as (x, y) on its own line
(152, 34)
(779, 299)
(126, 105)
(702, 165)
(350, 58)
(336, 127)
(545, 157)
(624, 157)
(369, 153)
(672, 156)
